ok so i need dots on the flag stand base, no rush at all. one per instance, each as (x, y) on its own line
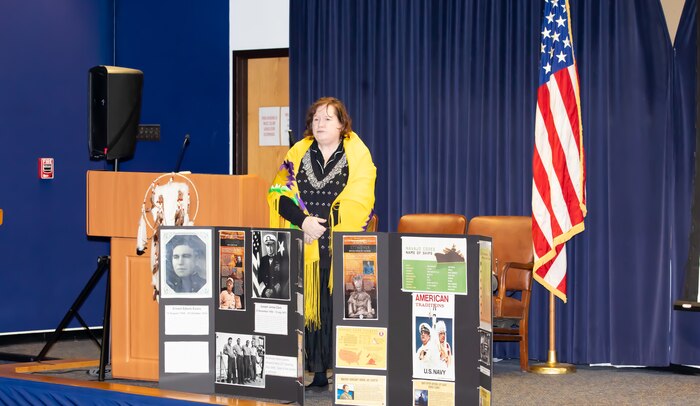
(552, 367)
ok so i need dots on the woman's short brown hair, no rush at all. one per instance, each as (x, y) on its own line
(341, 111)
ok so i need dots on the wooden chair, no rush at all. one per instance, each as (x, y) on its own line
(512, 259)
(373, 223)
(432, 223)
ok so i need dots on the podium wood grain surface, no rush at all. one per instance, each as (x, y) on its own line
(113, 208)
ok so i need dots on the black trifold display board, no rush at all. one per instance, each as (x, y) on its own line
(231, 311)
(412, 319)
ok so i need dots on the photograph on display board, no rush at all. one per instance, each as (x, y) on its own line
(433, 392)
(360, 277)
(485, 347)
(240, 359)
(186, 268)
(486, 288)
(300, 356)
(232, 273)
(360, 389)
(420, 397)
(271, 267)
(345, 392)
(433, 338)
(435, 264)
(484, 396)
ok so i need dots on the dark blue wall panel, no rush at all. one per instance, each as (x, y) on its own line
(46, 49)
(182, 47)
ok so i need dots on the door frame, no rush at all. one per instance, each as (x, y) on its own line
(239, 104)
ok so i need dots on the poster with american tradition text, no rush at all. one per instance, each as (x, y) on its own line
(433, 337)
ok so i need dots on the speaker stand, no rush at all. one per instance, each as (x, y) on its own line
(102, 268)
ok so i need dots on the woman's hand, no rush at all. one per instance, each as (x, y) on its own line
(313, 228)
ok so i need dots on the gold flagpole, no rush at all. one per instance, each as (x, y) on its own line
(552, 367)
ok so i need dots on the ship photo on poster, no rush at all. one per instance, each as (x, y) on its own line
(433, 336)
(434, 264)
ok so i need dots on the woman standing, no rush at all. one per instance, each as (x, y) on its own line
(325, 183)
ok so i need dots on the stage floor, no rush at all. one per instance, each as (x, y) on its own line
(589, 385)
(77, 365)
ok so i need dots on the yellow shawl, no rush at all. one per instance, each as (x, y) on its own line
(355, 206)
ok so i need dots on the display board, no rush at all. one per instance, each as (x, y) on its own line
(242, 313)
(186, 308)
(422, 335)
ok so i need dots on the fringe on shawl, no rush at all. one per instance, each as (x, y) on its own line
(312, 292)
(312, 288)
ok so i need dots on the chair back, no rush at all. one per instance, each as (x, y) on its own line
(511, 248)
(511, 238)
(373, 223)
(432, 223)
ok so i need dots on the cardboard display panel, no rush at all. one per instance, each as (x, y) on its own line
(186, 309)
(244, 310)
(412, 319)
(259, 313)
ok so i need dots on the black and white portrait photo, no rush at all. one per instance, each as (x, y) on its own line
(485, 347)
(240, 359)
(186, 263)
(271, 265)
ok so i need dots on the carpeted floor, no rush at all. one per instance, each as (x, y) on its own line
(595, 386)
(588, 386)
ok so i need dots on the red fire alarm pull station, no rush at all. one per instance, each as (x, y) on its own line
(46, 168)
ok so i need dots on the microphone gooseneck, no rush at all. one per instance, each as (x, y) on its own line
(185, 143)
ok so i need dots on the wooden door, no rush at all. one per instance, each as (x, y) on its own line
(268, 86)
(260, 79)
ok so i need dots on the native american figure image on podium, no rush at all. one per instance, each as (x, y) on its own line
(271, 265)
(170, 200)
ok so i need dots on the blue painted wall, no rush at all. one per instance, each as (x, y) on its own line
(46, 49)
(182, 47)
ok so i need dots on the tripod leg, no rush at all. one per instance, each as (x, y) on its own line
(106, 323)
(102, 266)
(87, 328)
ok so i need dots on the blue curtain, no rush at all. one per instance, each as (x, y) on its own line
(443, 93)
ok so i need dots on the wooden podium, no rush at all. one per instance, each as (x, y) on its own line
(113, 210)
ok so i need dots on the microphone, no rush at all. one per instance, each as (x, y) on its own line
(185, 143)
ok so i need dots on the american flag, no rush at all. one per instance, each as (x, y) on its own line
(558, 166)
(257, 246)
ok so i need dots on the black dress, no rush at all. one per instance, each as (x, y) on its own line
(319, 186)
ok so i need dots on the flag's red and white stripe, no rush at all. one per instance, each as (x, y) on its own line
(558, 187)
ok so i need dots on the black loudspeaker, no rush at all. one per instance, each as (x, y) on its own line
(114, 111)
